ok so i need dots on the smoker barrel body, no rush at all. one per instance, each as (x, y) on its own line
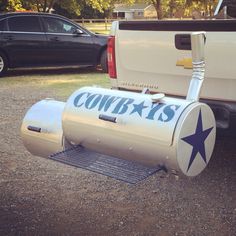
(137, 129)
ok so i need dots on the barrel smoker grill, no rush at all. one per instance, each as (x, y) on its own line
(126, 135)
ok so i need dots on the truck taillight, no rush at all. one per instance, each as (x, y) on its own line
(111, 57)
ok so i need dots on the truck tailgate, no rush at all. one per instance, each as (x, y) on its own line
(146, 57)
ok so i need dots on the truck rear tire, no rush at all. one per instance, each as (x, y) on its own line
(103, 61)
(3, 64)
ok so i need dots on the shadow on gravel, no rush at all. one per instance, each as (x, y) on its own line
(51, 71)
(223, 164)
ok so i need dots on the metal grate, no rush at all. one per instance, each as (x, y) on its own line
(124, 170)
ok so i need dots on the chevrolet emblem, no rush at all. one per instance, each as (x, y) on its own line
(185, 62)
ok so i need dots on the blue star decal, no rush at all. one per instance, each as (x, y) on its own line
(197, 141)
(138, 108)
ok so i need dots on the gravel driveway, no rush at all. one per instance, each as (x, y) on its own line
(43, 197)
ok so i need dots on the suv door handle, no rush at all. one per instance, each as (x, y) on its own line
(55, 39)
(8, 37)
(183, 41)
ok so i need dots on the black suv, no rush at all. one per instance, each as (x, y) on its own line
(40, 39)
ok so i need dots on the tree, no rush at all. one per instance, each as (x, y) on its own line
(11, 5)
(38, 5)
(71, 7)
(66, 7)
(102, 5)
(158, 6)
(206, 6)
(167, 8)
(3, 5)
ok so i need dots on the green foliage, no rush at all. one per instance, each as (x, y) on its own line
(3, 5)
(10, 5)
(168, 8)
(106, 5)
(91, 13)
(207, 6)
(103, 8)
(72, 6)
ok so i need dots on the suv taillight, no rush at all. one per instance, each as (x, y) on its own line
(111, 57)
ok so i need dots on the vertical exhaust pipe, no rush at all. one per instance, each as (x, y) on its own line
(198, 40)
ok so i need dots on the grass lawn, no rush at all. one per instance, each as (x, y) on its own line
(62, 81)
(98, 27)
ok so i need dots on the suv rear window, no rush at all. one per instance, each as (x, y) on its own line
(24, 24)
(55, 25)
(2, 25)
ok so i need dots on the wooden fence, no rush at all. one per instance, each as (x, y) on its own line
(101, 24)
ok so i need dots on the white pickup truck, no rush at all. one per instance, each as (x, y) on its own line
(157, 55)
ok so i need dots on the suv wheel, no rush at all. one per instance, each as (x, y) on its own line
(3, 64)
(103, 61)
